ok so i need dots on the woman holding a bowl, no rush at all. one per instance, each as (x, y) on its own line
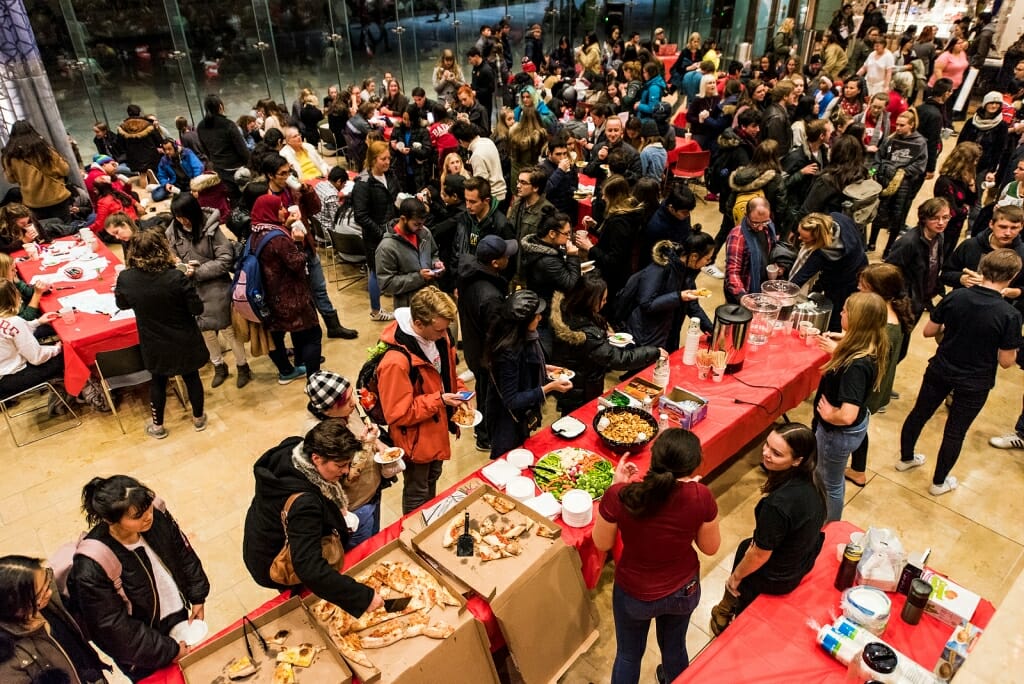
(373, 469)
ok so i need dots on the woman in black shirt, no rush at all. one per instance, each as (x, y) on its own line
(788, 520)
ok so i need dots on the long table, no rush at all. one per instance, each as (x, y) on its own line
(771, 641)
(90, 333)
(738, 412)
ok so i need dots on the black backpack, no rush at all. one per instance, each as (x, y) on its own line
(366, 381)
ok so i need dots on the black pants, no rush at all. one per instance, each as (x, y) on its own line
(755, 584)
(307, 345)
(484, 391)
(158, 395)
(966, 406)
(30, 376)
(419, 484)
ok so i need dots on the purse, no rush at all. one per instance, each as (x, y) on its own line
(282, 570)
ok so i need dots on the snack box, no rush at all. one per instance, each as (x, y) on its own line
(671, 402)
(639, 389)
(949, 602)
(619, 398)
(208, 662)
(959, 645)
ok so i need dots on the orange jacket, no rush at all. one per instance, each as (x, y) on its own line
(417, 418)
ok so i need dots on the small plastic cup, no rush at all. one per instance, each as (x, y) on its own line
(802, 329)
(717, 373)
(67, 315)
(812, 336)
(31, 249)
(773, 272)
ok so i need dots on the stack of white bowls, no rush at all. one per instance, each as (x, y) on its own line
(577, 508)
(520, 488)
(520, 458)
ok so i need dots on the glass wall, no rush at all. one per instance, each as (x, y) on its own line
(166, 56)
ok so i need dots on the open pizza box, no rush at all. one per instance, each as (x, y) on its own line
(538, 597)
(208, 663)
(464, 656)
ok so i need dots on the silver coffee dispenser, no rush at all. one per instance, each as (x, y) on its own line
(730, 334)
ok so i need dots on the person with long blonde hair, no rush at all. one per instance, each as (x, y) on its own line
(830, 257)
(616, 257)
(453, 164)
(856, 368)
(526, 140)
(957, 182)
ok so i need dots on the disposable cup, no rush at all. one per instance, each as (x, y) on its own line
(812, 336)
(67, 315)
(31, 249)
(717, 372)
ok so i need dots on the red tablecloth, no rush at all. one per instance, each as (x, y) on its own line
(771, 641)
(90, 333)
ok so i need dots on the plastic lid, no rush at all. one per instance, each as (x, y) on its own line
(733, 313)
(880, 658)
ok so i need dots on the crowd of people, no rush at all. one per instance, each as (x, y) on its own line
(466, 202)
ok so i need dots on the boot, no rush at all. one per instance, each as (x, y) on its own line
(723, 613)
(220, 374)
(335, 329)
(244, 376)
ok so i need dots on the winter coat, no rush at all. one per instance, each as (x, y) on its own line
(211, 192)
(734, 151)
(417, 418)
(838, 265)
(223, 142)
(399, 263)
(40, 187)
(931, 121)
(286, 281)
(212, 277)
(968, 254)
(189, 163)
(373, 205)
(141, 141)
(775, 126)
(961, 198)
(481, 295)
(468, 231)
(560, 187)
(748, 180)
(166, 305)
(909, 153)
(107, 205)
(655, 310)
(662, 226)
(525, 220)
(415, 169)
(517, 376)
(590, 59)
(581, 344)
(547, 268)
(311, 517)
(617, 253)
(594, 170)
(995, 142)
(910, 254)
(650, 97)
(823, 196)
(653, 160)
(797, 184)
(136, 642)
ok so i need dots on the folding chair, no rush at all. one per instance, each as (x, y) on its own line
(125, 368)
(691, 165)
(328, 144)
(54, 397)
(348, 251)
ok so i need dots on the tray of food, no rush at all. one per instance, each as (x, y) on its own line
(573, 468)
(625, 428)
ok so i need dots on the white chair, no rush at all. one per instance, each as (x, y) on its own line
(54, 398)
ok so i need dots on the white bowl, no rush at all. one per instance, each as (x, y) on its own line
(520, 458)
(577, 502)
(520, 488)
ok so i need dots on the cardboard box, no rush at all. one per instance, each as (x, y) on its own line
(539, 598)
(464, 657)
(672, 401)
(949, 602)
(207, 663)
(639, 389)
(959, 645)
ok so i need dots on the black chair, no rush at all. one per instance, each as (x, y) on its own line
(124, 368)
(347, 250)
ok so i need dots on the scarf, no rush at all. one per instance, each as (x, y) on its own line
(986, 123)
(332, 490)
(264, 213)
(758, 267)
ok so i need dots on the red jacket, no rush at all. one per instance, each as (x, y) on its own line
(417, 418)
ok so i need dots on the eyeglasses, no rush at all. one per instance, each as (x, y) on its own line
(758, 224)
(565, 233)
(285, 172)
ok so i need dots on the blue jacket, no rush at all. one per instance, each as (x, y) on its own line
(650, 96)
(189, 161)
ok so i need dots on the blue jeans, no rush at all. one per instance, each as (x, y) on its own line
(834, 448)
(671, 616)
(374, 288)
(318, 284)
(369, 522)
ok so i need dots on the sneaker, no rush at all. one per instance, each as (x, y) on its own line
(881, 409)
(714, 271)
(156, 431)
(894, 395)
(1010, 441)
(483, 445)
(711, 197)
(949, 485)
(382, 316)
(904, 466)
(199, 423)
(285, 378)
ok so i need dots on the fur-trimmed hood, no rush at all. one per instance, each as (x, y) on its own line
(748, 179)
(532, 244)
(730, 138)
(136, 127)
(561, 329)
(204, 181)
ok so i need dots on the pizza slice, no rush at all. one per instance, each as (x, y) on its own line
(284, 674)
(398, 578)
(240, 668)
(487, 553)
(438, 630)
(486, 526)
(702, 292)
(451, 534)
(500, 504)
(546, 532)
(323, 611)
(516, 530)
(300, 656)
(352, 650)
(511, 549)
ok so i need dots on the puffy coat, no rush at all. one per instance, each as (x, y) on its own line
(137, 642)
(651, 298)
(547, 268)
(617, 254)
(417, 418)
(481, 295)
(166, 305)
(399, 263)
(590, 58)
(223, 142)
(836, 266)
(311, 517)
(581, 345)
(40, 187)
(189, 163)
(373, 205)
(212, 277)
(650, 96)
(286, 281)
(747, 181)
(415, 169)
(141, 141)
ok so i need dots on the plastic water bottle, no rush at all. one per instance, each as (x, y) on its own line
(692, 342)
(661, 371)
(648, 405)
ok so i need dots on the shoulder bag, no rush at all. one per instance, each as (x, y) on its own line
(282, 570)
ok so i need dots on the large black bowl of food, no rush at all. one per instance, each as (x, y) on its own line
(625, 428)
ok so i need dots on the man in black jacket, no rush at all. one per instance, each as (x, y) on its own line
(223, 142)
(614, 140)
(562, 178)
(803, 163)
(931, 119)
(484, 81)
(1003, 232)
(482, 290)
(775, 124)
(141, 140)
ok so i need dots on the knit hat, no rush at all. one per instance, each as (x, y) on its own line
(492, 247)
(992, 96)
(649, 128)
(827, 80)
(101, 159)
(325, 389)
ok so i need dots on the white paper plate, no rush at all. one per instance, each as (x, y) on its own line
(477, 419)
(568, 427)
(569, 374)
(352, 520)
(546, 504)
(499, 472)
(586, 267)
(520, 458)
(378, 457)
(191, 634)
(521, 488)
(620, 339)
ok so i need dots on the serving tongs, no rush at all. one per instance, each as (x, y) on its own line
(464, 544)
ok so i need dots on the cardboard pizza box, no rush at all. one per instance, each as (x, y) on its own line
(209, 661)
(463, 657)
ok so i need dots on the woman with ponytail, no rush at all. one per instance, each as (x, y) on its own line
(787, 525)
(660, 518)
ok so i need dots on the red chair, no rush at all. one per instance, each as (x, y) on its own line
(668, 49)
(691, 165)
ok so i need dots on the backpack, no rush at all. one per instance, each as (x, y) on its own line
(248, 296)
(366, 381)
(739, 203)
(860, 201)
(63, 560)
(662, 111)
